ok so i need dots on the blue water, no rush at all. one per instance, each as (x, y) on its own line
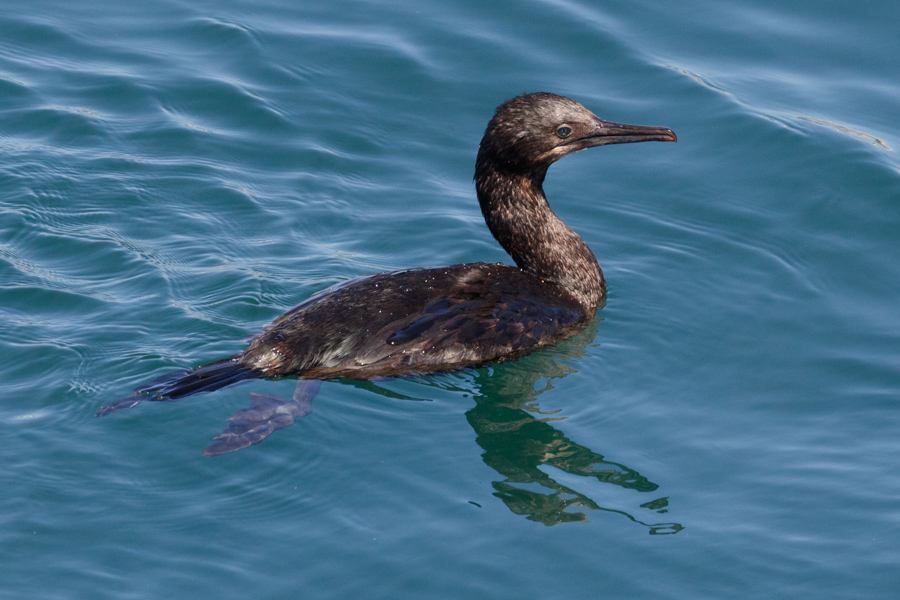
(176, 174)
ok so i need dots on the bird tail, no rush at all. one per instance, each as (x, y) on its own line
(180, 384)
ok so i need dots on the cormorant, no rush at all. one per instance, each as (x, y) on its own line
(438, 319)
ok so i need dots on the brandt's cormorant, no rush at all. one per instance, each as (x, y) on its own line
(440, 319)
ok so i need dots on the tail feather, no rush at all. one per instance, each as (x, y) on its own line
(180, 384)
(207, 378)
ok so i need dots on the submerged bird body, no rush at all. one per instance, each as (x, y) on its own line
(429, 320)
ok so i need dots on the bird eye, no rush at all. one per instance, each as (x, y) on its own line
(564, 131)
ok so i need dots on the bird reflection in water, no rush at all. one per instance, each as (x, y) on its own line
(520, 441)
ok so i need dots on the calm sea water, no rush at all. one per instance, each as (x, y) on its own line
(176, 174)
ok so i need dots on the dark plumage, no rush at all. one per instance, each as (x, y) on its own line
(428, 320)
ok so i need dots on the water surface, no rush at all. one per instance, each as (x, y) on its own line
(175, 175)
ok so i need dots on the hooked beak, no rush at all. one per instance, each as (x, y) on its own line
(617, 133)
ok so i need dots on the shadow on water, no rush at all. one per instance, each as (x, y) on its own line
(520, 441)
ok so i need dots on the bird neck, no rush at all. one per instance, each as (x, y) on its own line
(518, 215)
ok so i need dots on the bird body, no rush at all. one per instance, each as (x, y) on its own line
(416, 321)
